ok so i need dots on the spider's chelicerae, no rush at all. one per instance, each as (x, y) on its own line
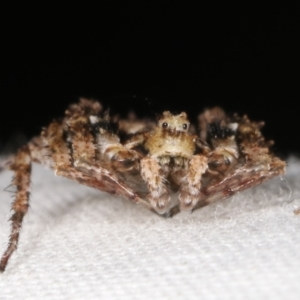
(198, 164)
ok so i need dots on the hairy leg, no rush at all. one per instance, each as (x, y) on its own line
(190, 188)
(246, 175)
(152, 174)
(101, 179)
(22, 168)
(78, 163)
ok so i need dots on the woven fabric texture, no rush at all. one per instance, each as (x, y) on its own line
(78, 243)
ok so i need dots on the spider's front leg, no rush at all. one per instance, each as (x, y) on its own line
(190, 187)
(22, 168)
(153, 175)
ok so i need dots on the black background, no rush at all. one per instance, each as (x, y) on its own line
(151, 57)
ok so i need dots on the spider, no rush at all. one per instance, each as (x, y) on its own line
(167, 166)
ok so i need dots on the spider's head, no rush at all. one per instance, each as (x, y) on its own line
(173, 124)
(171, 137)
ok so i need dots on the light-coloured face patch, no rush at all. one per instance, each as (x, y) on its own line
(174, 122)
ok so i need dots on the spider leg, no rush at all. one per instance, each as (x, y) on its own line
(159, 196)
(190, 188)
(244, 176)
(22, 168)
(101, 179)
(88, 147)
(77, 161)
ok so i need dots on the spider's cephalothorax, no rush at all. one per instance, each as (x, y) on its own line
(151, 162)
(171, 164)
(171, 137)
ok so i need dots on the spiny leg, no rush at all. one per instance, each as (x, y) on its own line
(92, 141)
(190, 188)
(22, 168)
(152, 174)
(255, 170)
(53, 141)
(101, 179)
(76, 161)
(83, 168)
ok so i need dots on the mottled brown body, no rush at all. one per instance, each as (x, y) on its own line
(171, 158)
(228, 155)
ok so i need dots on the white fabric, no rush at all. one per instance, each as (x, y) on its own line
(79, 243)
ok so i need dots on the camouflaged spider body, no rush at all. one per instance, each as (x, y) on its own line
(164, 166)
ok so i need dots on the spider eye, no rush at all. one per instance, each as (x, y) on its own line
(165, 125)
(184, 126)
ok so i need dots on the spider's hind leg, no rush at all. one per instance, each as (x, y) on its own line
(22, 168)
